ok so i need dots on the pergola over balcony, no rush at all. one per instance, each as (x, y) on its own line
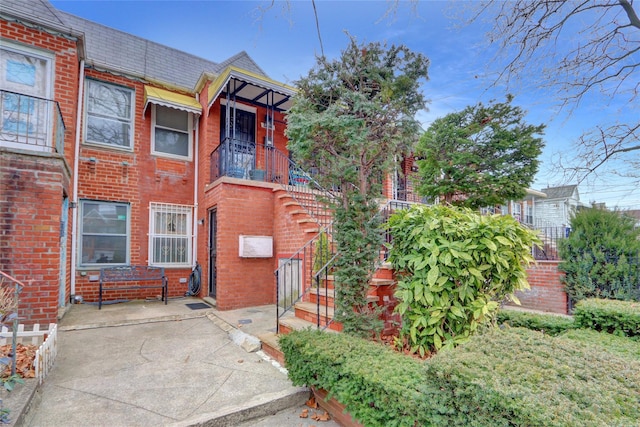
(239, 154)
(237, 84)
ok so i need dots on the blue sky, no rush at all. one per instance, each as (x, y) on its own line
(284, 42)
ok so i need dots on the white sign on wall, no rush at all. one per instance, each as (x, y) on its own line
(256, 246)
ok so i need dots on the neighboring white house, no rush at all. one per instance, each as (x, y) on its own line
(556, 209)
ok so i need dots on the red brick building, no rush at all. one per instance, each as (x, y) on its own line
(115, 151)
(110, 158)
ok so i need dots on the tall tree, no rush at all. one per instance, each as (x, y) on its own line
(480, 156)
(350, 121)
(575, 49)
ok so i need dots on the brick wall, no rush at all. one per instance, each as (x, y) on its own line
(241, 210)
(32, 188)
(547, 292)
(138, 178)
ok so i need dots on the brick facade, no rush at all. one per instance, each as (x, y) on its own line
(34, 184)
(547, 291)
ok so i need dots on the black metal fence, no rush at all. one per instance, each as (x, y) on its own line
(550, 237)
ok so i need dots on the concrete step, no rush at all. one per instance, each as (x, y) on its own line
(381, 282)
(309, 311)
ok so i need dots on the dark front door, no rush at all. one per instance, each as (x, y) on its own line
(213, 230)
(239, 146)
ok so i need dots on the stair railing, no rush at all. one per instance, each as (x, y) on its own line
(298, 274)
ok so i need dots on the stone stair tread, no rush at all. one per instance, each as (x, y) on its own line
(381, 282)
(271, 339)
(298, 324)
(323, 292)
(311, 307)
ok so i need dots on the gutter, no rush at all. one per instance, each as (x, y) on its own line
(76, 163)
(195, 220)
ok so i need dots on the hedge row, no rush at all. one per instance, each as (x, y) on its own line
(500, 378)
(548, 323)
(377, 386)
(619, 346)
(615, 317)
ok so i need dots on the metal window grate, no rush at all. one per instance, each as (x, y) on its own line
(170, 234)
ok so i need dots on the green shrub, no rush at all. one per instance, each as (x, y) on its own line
(455, 267)
(499, 378)
(620, 346)
(377, 386)
(518, 377)
(548, 323)
(615, 317)
(600, 256)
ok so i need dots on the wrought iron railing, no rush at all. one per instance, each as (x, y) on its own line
(309, 270)
(306, 271)
(32, 123)
(387, 210)
(247, 160)
(550, 237)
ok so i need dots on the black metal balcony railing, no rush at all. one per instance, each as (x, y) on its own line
(31, 123)
(247, 160)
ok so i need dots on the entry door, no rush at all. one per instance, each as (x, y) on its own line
(213, 231)
(239, 154)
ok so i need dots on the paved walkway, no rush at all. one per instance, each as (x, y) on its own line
(150, 364)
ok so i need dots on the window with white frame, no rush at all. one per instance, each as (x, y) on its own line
(504, 210)
(109, 114)
(172, 130)
(25, 80)
(170, 235)
(105, 233)
(517, 211)
(528, 218)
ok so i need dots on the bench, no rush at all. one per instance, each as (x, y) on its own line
(122, 278)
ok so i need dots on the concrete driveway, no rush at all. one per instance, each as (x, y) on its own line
(147, 364)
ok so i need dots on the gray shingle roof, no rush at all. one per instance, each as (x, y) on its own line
(114, 50)
(561, 192)
(37, 11)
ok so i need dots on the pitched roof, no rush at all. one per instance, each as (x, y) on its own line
(118, 51)
(562, 192)
(36, 11)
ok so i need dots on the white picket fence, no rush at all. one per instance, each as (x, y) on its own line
(47, 340)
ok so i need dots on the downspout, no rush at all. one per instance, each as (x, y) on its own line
(76, 162)
(195, 193)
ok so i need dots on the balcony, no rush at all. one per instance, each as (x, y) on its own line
(247, 160)
(30, 123)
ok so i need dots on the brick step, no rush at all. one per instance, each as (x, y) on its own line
(271, 347)
(324, 294)
(309, 311)
(270, 340)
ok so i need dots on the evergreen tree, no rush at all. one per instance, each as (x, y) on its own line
(351, 120)
(480, 156)
(600, 256)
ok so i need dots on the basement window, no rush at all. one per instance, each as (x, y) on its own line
(105, 233)
(170, 235)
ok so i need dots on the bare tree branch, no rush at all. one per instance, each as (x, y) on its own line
(575, 49)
